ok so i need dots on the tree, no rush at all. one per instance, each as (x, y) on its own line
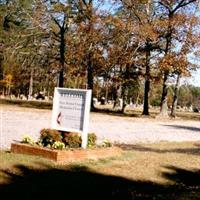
(24, 50)
(189, 44)
(62, 14)
(87, 48)
(128, 46)
(171, 17)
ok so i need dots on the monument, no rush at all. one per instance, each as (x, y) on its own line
(71, 108)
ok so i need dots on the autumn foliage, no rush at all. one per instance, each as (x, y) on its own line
(114, 48)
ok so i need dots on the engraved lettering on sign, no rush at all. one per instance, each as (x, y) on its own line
(72, 108)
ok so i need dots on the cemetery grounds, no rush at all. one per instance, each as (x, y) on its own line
(150, 167)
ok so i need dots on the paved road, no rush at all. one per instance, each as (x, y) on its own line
(16, 121)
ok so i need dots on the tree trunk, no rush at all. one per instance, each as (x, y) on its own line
(97, 91)
(146, 98)
(147, 86)
(90, 79)
(48, 86)
(8, 90)
(3, 93)
(147, 73)
(117, 97)
(62, 58)
(30, 92)
(175, 98)
(106, 92)
(125, 99)
(137, 99)
(61, 78)
(164, 107)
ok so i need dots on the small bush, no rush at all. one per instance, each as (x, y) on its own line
(92, 138)
(49, 136)
(106, 143)
(58, 145)
(55, 139)
(28, 140)
(59, 140)
(72, 140)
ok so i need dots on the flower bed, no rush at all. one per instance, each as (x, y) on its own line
(64, 146)
(65, 155)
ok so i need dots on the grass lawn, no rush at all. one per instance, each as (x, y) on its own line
(154, 171)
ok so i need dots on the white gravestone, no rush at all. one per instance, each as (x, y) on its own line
(71, 108)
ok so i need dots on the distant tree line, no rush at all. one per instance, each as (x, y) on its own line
(129, 50)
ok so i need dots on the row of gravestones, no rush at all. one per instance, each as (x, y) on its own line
(102, 101)
(119, 104)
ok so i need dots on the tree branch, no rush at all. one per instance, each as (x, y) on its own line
(56, 22)
(182, 4)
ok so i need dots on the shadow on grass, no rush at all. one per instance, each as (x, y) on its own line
(191, 128)
(80, 183)
(131, 147)
(153, 113)
(189, 116)
(118, 113)
(38, 104)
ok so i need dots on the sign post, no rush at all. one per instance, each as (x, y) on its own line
(71, 109)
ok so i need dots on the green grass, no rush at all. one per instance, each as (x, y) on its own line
(143, 171)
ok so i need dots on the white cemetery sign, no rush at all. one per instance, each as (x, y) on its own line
(71, 108)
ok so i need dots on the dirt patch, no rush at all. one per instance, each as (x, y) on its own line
(17, 122)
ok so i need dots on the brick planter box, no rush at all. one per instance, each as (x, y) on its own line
(65, 155)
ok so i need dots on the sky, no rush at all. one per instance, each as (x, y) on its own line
(194, 79)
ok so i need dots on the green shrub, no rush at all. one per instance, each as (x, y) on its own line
(106, 143)
(28, 140)
(92, 138)
(49, 136)
(59, 140)
(72, 140)
(58, 145)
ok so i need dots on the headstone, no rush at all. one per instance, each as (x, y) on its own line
(71, 108)
(103, 101)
